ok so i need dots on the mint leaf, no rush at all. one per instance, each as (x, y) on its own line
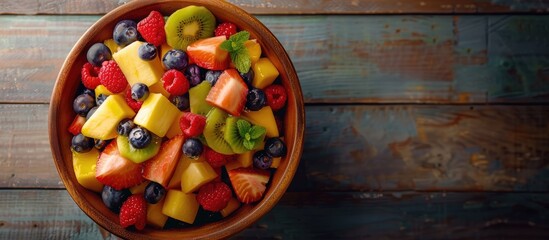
(241, 60)
(257, 132)
(249, 144)
(240, 37)
(227, 45)
(243, 127)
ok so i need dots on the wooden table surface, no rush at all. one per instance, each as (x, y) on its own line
(426, 119)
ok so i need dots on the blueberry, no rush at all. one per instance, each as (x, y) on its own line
(140, 92)
(205, 216)
(90, 92)
(82, 104)
(275, 147)
(147, 51)
(212, 76)
(81, 143)
(194, 74)
(262, 160)
(98, 53)
(181, 102)
(154, 192)
(113, 198)
(175, 59)
(90, 113)
(100, 99)
(255, 100)
(139, 137)
(248, 77)
(125, 127)
(172, 223)
(125, 32)
(100, 144)
(192, 148)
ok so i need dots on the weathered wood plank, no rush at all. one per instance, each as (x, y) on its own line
(357, 148)
(298, 6)
(398, 215)
(440, 59)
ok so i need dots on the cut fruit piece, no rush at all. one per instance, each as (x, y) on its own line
(249, 184)
(197, 98)
(139, 189)
(76, 126)
(188, 25)
(156, 114)
(181, 206)
(246, 159)
(174, 129)
(84, 168)
(160, 168)
(265, 118)
(155, 217)
(135, 69)
(111, 44)
(101, 90)
(214, 130)
(195, 174)
(175, 181)
(276, 162)
(138, 155)
(237, 138)
(159, 88)
(116, 171)
(229, 93)
(264, 73)
(207, 53)
(230, 208)
(104, 121)
(254, 50)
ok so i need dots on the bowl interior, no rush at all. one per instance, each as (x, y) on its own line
(61, 115)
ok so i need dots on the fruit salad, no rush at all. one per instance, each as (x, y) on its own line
(178, 120)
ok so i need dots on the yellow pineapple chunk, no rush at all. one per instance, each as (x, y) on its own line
(254, 50)
(181, 206)
(135, 69)
(230, 208)
(159, 88)
(265, 118)
(264, 73)
(195, 174)
(102, 124)
(246, 159)
(175, 181)
(156, 114)
(137, 189)
(164, 48)
(175, 129)
(111, 44)
(84, 169)
(155, 217)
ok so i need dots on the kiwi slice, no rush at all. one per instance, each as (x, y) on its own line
(197, 98)
(214, 131)
(138, 155)
(234, 138)
(187, 25)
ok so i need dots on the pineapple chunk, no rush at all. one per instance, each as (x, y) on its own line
(264, 73)
(246, 159)
(230, 208)
(155, 217)
(137, 189)
(195, 174)
(159, 88)
(84, 169)
(181, 206)
(164, 48)
(156, 114)
(254, 50)
(265, 118)
(102, 124)
(111, 44)
(135, 69)
(175, 129)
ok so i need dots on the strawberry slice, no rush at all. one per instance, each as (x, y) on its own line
(76, 125)
(160, 168)
(229, 92)
(207, 53)
(116, 171)
(249, 184)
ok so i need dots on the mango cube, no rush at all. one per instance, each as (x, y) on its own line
(155, 217)
(246, 159)
(175, 129)
(156, 114)
(230, 208)
(264, 73)
(137, 189)
(265, 118)
(254, 50)
(135, 69)
(103, 123)
(84, 169)
(195, 174)
(181, 206)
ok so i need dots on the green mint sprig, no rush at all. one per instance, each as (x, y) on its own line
(238, 52)
(250, 134)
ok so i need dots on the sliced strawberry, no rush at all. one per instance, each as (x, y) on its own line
(116, 171)
(229, 92)
(76, 125)
(160, 168)
(208, 54)
(249, 184)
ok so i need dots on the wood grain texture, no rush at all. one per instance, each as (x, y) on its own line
(358, 148)
(398, 215)
(298, 6)
(397, 59)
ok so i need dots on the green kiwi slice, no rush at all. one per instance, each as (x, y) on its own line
(197, 98)
(187, 25)
(138, 155)
(214, 131)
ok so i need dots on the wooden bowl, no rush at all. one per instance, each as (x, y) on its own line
(61, 115)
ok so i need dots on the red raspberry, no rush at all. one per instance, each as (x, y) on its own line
(134, 212)
(192, 124)
(112, 77)
(175, 82)
(226, 29)
(135, 105)
(276, 96)
(151, 28)
(214, 196)
(216, 159)
(90, 76)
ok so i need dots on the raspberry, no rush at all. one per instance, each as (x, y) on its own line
(175, 82)
(226, 29)
(192, 124)
(134, 212)
(276, 96)
(214, 196)
(112, 77)
(216, 159)
(151, 28)
(90, 76)
(135, 105)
